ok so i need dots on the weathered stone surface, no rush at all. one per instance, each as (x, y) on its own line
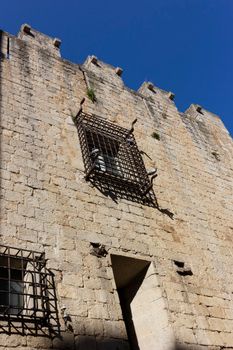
(47, 206)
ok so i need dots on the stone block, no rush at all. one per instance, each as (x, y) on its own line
(48, 206)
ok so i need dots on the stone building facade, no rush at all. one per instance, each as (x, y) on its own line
(101, 257)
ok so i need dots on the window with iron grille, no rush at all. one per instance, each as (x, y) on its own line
(112, 159)
(27, 293)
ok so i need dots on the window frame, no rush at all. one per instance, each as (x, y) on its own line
(34, 305)
(98, 138)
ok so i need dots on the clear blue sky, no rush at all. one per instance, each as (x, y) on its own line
(183, 46)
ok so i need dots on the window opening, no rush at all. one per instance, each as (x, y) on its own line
(112, 159)
(105, 154)
(11, 286)
(27, 293)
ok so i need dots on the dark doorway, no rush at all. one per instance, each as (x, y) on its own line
(129, 274)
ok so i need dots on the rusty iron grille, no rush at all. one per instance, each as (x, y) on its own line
(112, 159)
(28, 303)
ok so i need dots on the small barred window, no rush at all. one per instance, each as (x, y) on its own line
(27, 293)
(112, 160)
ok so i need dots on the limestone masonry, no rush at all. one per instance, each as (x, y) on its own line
(114, 235)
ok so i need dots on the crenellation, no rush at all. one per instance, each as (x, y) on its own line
(36, 38)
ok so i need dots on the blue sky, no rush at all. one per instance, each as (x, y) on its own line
(183, 46)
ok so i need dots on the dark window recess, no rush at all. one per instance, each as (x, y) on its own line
(112, 160)
(28, 303)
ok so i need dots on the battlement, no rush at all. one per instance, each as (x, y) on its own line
(101, 70)
(29, 34)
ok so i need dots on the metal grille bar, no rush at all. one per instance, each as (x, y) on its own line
(27, 293)
(112, 160)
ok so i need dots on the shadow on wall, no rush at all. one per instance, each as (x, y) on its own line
(132, 195)
(92, 343)
(1, 58)
(179, 346)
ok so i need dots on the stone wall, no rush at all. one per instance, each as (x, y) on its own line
(48, 206)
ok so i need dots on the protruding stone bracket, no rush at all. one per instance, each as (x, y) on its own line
(119, 71)
(98, 250)
(57, 42)
(181, 269)
(150, 86)
(171, 96)
(198, 109)
(26, 28)
(93, 59)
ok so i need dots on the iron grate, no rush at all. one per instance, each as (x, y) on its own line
(112, 160)
(28, 303)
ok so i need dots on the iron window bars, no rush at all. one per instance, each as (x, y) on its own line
(112, 159)
(28, 303)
